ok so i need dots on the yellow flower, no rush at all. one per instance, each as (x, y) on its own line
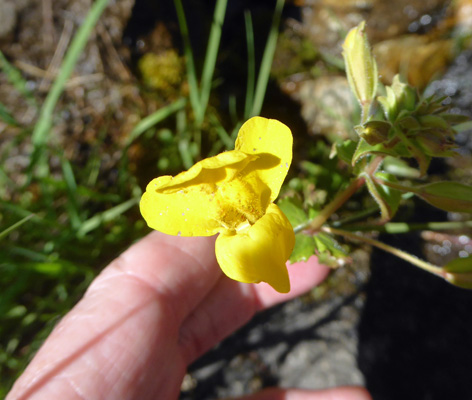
(233, 193)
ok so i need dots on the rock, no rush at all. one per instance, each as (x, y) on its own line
(7, 18)
(310, 342)
(327, 104)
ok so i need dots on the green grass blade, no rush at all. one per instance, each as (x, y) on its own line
(72, 205)
(221, 131)
(15, 226)
(7, 117)
(183, 140)
(211, 55)
(189, 62)
(42, 128)
(251, 66)
(106, 216)
(267, 58)
(155, 118)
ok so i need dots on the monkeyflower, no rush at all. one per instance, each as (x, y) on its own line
(232, 194)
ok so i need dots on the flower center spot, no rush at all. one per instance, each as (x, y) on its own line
(239, 205)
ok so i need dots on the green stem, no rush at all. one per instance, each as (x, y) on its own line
(403, 227)
(424, 265)
(361, 215)
(342, 197)
(334, 205)
(365, 111)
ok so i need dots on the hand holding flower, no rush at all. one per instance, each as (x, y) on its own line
(233, 193)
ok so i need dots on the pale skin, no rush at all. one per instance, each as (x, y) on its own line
(151, 312)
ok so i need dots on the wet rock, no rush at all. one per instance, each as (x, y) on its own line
(419, 58)
(326, 103)
(463, 16)
(456, 84)
(327, 21)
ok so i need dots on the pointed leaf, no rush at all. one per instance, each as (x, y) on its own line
(399, 167)
(386, 197)
(345, 150)
(363, 149)
(448, 196)
(377, 196)
(328, 250)
(304, 248)
(459, 265)
(293, 210)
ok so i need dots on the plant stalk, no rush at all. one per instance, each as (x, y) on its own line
(424, 265)
(342, 197)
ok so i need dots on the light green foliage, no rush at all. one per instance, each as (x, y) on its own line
(414, 127)
(386, 197)
(304, 244)
(397, 126)
(448, 196)
(329, 251)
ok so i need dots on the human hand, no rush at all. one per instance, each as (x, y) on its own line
(150, 313)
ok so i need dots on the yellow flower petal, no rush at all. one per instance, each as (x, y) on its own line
(272, 141)
(185, 205)
(259, 252)
(186, 212)
(222, 167)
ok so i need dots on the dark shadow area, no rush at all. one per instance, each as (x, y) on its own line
(415, 334)
(265, 332)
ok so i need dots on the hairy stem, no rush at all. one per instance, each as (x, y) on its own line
(424, 265)
(342, 197)
(404, 227)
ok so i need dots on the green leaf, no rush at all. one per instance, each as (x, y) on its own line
(459, 272)
(304, 248)
(105, 216)
(328, 250)
(376, 194)
(459, 265)
(399, 167)
(363, 149)
(293, 210)
(455, 119)
(345, 150)
(386, 197)
(391, 197)
(448, 196)
(16, 225)
(400, 96)
(7, 117)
